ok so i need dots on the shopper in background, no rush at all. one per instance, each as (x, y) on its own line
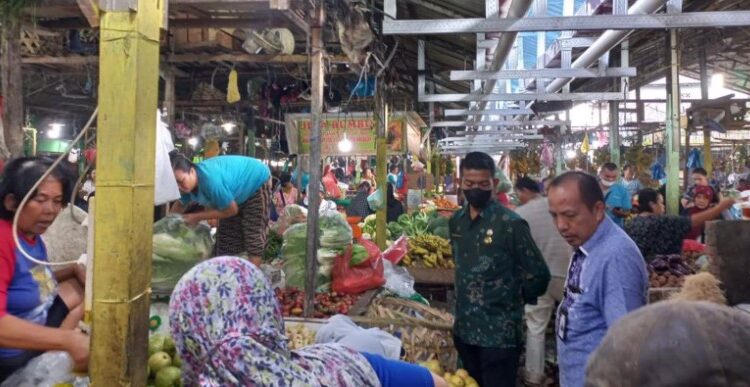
(39, 309)
(368, 176)
(330, 183)
(359, 205)
(393, 176)
(700, 179)
(655, 233)
(630, 181)
(237, 191)
(229, 331)
(556, 252)
(394, 206)
(617, 200)
(286, 194)
(498, 270)
(607, 276)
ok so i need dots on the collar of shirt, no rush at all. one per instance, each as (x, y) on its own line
(601, 231)
(466, 211)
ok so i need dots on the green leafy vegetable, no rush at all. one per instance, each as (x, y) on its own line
(359, 255)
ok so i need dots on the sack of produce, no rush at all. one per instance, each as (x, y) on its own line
(177, 247)
(357, 279)
(291, 215)
(294, 252)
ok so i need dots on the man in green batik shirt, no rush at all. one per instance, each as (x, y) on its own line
(499, 269)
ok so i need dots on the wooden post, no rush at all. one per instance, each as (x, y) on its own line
(129, 61)
(672, 137)
(381, 122)
(708, 160)
(169, 96)
(12, 89)
(313, 198)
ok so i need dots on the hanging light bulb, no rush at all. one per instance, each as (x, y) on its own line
(571, 154)
(345, 145)
(228, 126)
(193, 141)
(55, 130)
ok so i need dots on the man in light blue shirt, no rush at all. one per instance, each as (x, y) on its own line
(617, 199)
(607, 276)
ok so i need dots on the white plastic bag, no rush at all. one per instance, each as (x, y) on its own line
(46, 370)
(342, 330)
(165, 185)
(398, 280)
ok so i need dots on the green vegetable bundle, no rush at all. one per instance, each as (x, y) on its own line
(177, 247)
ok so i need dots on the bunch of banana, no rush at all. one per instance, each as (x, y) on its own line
(429, 251)
(299, 336)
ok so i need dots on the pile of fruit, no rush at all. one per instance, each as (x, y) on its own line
(460, 378)
(292, 301)
(299, 336)
(444, 204)
(163, 363)
(429, 251)
(668, 271)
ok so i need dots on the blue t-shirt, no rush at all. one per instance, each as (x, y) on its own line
(618, 197)
(27, 290)
(396, 373)
(613, 282)
(223, 179)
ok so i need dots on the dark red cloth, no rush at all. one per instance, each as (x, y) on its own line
(502, 198)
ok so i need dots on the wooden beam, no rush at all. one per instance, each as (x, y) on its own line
(228, 23)
(12, 90)
(245, 58)
(90, 11)
(126, 138)
(77, 60)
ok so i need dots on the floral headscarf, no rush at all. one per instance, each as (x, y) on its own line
(229, 331)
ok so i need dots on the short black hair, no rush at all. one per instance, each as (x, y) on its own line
(590, 191)
(528, 184)
(627, 166)
(646, 197)
(700, 171)
(180, 162)
(364, 186)
(478, 161)
(20, 175)
(285, 178)
(393, 167)
(609, 166)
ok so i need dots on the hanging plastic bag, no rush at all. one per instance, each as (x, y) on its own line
(46, 370)
(375, 200)
(354, 280)
(165, 185)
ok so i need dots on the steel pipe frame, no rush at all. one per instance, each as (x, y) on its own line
(608, 96)
(449, 124)
(497, 112)
(549, 73)
(564, 23)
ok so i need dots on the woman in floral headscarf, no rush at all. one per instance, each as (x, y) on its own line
(229, 331)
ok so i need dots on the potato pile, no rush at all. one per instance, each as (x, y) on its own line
(299, 336)
(665, 280)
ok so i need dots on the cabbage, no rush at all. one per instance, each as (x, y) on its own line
(177, 247)
(336, 234)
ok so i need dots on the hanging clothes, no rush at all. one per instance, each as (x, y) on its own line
(695, 159)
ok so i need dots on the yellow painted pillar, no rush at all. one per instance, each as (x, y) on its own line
(128, 92)
(381, 168)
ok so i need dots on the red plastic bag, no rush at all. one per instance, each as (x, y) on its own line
(354, 280)
(372, 249)
(397, 251)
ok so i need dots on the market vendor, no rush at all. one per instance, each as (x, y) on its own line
(658, 234)
(617, 199)
(359, 205)
(498, 269)
(39, 308)
(237, 191)
(228, 330)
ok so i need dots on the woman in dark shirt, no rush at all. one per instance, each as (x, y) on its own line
(359, 206)
(395, 208)
(658, 234)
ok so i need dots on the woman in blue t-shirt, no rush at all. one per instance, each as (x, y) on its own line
(236, 190)
(39, 309)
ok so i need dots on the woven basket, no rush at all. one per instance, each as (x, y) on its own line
(426, 333)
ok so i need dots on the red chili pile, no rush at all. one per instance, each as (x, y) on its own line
(292, 301)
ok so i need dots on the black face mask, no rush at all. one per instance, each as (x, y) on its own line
(477, 197)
